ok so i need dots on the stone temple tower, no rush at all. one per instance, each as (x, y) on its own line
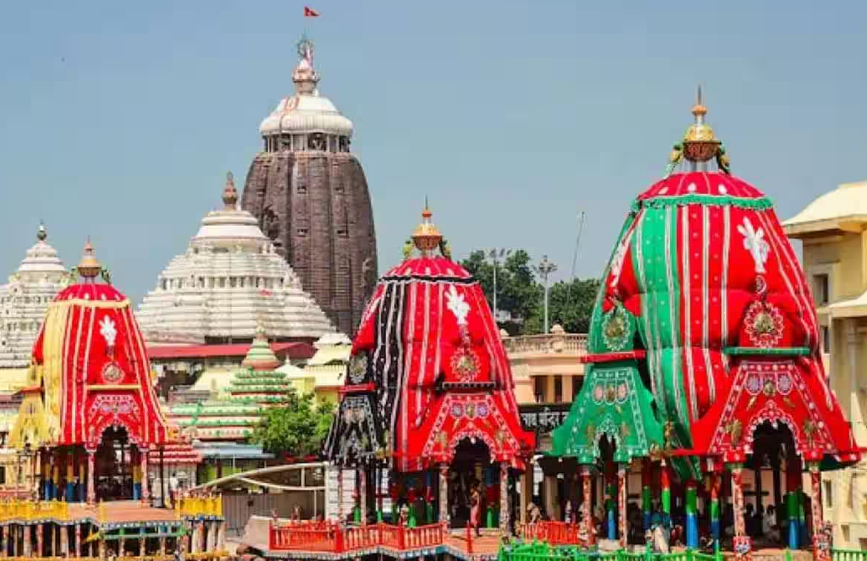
(309, 193)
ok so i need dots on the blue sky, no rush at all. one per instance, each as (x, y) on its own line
(118, 120)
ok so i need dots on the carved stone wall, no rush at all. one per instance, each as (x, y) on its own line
(316, 207)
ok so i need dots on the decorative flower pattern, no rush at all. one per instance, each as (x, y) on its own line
(457, 305)
(108, 331)
(763, 324)
(755, 243)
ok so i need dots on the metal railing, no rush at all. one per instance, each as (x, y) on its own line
(848, 555)
(329, 537)
(540, 551)
(566, 343)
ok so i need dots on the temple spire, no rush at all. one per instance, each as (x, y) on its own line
(699, 145)
(89, 267)
(426, 236)
(305, 75)
(230, 194)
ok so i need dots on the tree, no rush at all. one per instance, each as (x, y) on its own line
(570, 304)
(517, 289)
(297, 427)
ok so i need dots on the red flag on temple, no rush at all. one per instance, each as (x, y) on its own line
(310, 12)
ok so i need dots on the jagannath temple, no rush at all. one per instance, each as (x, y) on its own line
(86, 432)
(230, 281)
(309, 192)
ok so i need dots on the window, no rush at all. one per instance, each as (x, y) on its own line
(826, 339)
(558, 389)
(539, 388)
(828, 492)
(821, 289)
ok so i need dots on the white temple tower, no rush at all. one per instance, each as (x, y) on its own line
(230, 282)
(24, 301)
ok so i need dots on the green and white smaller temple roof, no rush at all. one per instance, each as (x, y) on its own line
(233, 414)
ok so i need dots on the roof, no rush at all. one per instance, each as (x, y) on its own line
(328, 355)
(295, 350)
(327, 375)
(12, 379)
(852, 308)
(229, 283)
(232, 451)
(427, 267)
(213, 381)
(711, 186)
(843, 208)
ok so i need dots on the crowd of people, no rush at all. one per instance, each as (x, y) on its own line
(766, 525)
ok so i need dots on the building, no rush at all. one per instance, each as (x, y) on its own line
(309, 193)
(223, 420)
(548, 374)
(323, 374)
(23, 302)
(546, 367)
(228, 283)
(188, 372)
(833, 231)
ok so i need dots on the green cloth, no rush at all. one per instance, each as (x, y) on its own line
(614, 402)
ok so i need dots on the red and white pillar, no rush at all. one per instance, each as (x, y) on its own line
(621, 504)
(91, 485)
(145, 491)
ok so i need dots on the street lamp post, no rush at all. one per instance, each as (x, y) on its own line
(496, 254)
(545, 268)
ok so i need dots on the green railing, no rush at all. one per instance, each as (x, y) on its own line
(544, 552)
(848, 555)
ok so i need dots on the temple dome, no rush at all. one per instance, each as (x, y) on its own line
(306, 111)
(229, 282)
(25, 298)
(302, 113)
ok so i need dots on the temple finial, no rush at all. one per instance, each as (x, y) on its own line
(426, 236)
(89, 267)
(699, 110)
(305, 75)
(41, 232)
(230, 194)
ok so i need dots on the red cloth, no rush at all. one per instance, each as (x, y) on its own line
(310, 12)
(429, 323)
(101, 385)
(698, 231)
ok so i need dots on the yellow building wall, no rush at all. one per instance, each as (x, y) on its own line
(844, 258)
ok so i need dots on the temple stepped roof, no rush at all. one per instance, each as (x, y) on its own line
(251, 391)
(25, 298)
(229, 282)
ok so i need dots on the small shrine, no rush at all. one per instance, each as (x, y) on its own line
(428, 403)
(232, 415)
